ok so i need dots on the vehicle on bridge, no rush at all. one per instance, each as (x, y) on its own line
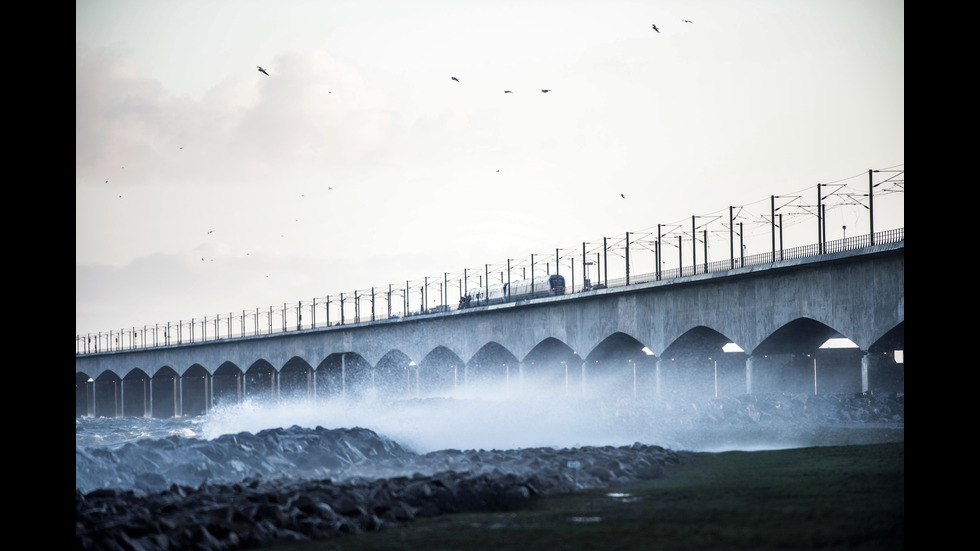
(524, 289)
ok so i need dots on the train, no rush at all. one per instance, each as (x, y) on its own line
(544, 286)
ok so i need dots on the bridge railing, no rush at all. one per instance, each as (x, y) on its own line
(276, 320)
(792, 253)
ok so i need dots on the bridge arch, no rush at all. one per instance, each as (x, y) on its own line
(492, 369)
(440, 372)
(296, 379)
(697, 363)
(359, 377)
(395, 375)
(163, 393)
(884, 370)
(260, 382)
(136, 393)
(195, 391)
(226, 384)
(620, 367)
(551, 368)
(344, 375)
(83, 398)
(893, 339)
(791, 360)
(107, 392)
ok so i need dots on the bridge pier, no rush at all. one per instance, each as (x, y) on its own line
(865, 360)
(520, 379)
(226, 387)
(824, 372)
(657, 390)
(748, 375)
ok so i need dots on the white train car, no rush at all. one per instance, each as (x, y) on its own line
(544, 286)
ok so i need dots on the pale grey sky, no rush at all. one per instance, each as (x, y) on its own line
(204, 187)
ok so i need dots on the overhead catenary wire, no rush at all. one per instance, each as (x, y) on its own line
(741, 219)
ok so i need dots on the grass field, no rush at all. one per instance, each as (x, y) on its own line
(831, 497)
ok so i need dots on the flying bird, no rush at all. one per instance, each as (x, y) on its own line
(545, 91)
(687, 21)
(454, 78)
(622, 195)
(261, 70)
(656, 29)
(508, 92)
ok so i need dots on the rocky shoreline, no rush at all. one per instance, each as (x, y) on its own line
(256, 512)
(395, 488)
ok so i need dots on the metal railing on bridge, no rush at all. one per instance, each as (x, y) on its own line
(348, 309)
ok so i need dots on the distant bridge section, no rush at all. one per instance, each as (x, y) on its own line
(753, 329)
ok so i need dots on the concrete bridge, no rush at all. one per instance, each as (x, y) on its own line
(757, 329)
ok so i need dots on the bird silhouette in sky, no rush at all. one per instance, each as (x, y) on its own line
(454, 78)
(508, 92)
(261, 70)
(687, 21)
(656, 29)
(623, 195)
(545, 91)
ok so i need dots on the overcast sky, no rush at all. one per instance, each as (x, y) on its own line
(203, 186)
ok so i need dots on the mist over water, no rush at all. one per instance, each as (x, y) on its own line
(432, 424)
(478, 417)
(301, 438)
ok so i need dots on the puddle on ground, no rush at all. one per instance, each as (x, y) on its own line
(623, 497)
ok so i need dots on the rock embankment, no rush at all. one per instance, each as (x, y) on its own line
(375, 484)
(257, 512)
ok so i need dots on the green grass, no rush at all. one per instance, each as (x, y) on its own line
(837, 497)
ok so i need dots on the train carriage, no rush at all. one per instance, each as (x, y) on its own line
(544, 286)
